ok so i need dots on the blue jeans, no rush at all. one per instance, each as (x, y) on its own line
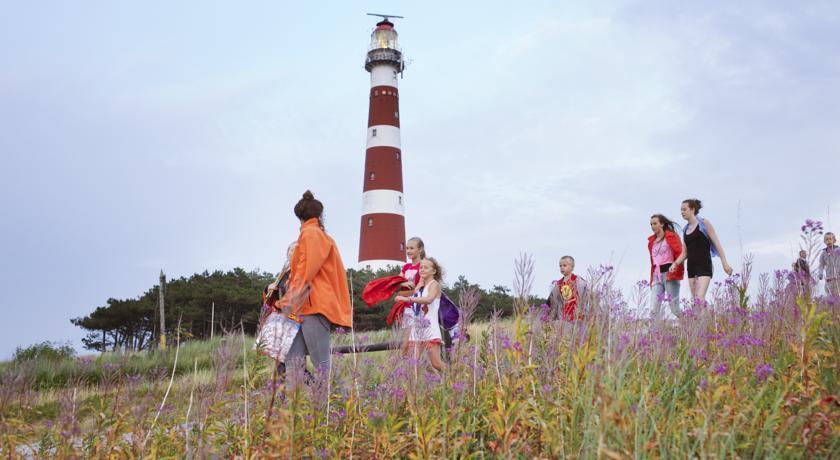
(658, 291)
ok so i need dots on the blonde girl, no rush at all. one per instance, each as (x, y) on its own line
(425, 303)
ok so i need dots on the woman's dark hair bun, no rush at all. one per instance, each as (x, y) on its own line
(694, 204)
(308, 207)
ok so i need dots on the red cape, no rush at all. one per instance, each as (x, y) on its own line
(382, 289)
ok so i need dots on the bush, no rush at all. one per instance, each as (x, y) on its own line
(48, 351)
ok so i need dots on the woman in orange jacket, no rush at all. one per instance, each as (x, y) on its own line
(317, 293)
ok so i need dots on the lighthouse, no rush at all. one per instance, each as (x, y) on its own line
(382, 233)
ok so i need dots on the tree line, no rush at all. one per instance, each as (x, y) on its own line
(132, 324)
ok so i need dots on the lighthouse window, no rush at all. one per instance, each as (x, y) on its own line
(370, 221)
(396, 114)
(402, 247)
(398, 155)
(372, 176)
(373, 132)
(400, 201)
(376, 92)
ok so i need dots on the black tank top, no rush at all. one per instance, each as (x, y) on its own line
(699, 253)
(697, 243)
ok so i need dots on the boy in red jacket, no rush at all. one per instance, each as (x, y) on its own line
(568, 292)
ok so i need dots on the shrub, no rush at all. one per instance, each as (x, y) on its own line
(47, 351)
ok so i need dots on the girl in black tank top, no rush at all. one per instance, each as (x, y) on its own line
(699, 252)
(698, 244)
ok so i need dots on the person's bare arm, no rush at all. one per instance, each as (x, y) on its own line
(432, 293)
(713, 236)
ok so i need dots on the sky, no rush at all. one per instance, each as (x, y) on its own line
(136, 137)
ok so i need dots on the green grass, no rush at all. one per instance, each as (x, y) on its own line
(46, 374)
(521, 388)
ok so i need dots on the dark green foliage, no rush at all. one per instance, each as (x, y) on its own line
(497, 298)
(131, 324)
(45, 351)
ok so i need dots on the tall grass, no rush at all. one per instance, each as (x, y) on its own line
(738, 378)
(45, 374)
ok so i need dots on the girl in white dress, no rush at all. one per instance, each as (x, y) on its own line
(425, 303)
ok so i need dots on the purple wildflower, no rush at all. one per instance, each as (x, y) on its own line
(763, 371)
(431, 377)
(721, 369)
(623, 341)
(699, 353)
(759, 315)
(376, 416)
(397, 393)
(813, 227)
(744, 340)
(545, 312)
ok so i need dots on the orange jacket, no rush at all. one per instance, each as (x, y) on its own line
(316, 261)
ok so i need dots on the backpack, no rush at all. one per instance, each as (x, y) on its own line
(449, 313)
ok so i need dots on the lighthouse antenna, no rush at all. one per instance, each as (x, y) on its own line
(385, 16)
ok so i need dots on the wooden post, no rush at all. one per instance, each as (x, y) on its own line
(212, 319)
(162, 320)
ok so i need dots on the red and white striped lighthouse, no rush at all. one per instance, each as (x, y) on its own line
(382, 234)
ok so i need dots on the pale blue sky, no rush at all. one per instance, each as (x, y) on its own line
(136, 137)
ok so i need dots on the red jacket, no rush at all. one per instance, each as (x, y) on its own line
(381, 289)
(676, 246)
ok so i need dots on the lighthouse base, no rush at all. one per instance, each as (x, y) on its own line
(381, 264)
